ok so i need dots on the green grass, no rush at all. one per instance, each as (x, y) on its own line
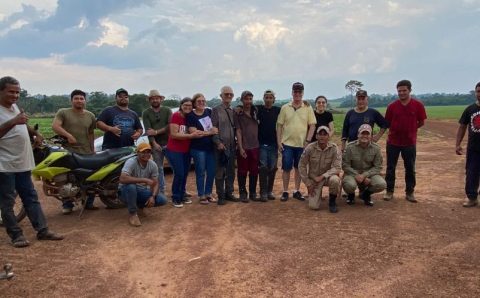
(45, 126)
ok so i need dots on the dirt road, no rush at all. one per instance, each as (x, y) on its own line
(274, 249)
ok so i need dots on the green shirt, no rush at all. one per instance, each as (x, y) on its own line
(157, 120)
(366, 161)
(80, 126)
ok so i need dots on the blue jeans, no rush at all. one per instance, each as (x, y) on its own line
(158, 157)
(409, 154)
(180, 163)
(21, 183)
(472, 180)
(204, 164)
(268, 156)
(291, 157)
(135, 197)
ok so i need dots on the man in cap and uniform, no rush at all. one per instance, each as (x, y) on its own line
(138, 186)
(155, 120)
(320, 165)
(362, 164)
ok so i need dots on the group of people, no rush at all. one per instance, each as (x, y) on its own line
(249, 137)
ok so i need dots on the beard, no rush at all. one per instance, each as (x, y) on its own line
(122, 103)
(155, 104)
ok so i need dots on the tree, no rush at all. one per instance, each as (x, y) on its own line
(353, 86)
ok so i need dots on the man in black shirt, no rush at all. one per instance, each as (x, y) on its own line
(267, 137)
(471, 119)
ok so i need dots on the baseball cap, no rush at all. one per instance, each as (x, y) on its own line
(121, 90)
(143, 146)
(246, 93)
(155, 92)
(365, 127)
(361, 93)
(268, 92)
(297, 86)
(323, 127)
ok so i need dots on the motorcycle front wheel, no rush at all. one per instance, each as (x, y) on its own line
(18, 210)
(109, 195)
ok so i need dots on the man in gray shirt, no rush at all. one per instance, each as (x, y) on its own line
(139, 184)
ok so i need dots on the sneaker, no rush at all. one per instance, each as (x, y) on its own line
(67, 211)
(134, 220)
(351, 199)
(264, 197)
(221, 201)
(410, 197)
(368, 202)
(231, 197)
(177, 205)
(470, 203)
(271, 196)
(49, 235)
(284, 197)
(388, 196)
(20, 241)
(187, 201)
(298, 195)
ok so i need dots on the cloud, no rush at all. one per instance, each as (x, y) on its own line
(114, 35)
(262, 35)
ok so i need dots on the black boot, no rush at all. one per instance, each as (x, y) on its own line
(263, 179)
(242, 188)
(332, 204)
(252, 187)
(351, 198)
(271, 181)
(366, 197)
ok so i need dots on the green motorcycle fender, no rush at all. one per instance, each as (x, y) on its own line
(45, 171)
(108, 169)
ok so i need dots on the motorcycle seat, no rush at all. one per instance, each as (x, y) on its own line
(101, 159)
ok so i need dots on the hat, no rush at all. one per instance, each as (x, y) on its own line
(268, 91)
(323, 127)
(365, 127)
(143, 146)
(246, 93)
(155, 92)
(297, 86)
(121, 90)
(361, 93)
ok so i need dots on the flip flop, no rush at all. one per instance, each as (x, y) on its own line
(211, 200)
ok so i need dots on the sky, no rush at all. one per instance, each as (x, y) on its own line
(184, 47)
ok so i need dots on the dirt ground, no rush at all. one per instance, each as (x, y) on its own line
(274, 249)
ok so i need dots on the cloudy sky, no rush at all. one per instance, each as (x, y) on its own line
(182, 47)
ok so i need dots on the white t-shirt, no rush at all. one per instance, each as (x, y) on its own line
(16, 153)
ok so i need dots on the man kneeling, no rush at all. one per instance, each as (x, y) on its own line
(139, 184)
(362, 164)
(320, 165)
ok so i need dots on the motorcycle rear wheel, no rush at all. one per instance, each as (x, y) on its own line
(110, 184)
(18, 209)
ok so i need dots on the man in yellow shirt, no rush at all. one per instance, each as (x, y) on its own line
(295, 128)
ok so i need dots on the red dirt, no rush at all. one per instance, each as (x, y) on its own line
(268, 249)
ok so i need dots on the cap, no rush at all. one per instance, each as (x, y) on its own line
(268, 92)
(297, 86)
(155, 92)
(246, 93)
(365, 127)
(323, 127)
(361, 93)
(121, 90)
(143, 146)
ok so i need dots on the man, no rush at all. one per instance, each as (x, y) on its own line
(16, 164)
(359, 115)
(471, 119)
(156, 119)
(405, 116)
(362, 164)
(267, 138)
(225, 146)
(139, 184)
(320, 165)
(120, 124)
(77, 125)
(247, 137)
(295, 128)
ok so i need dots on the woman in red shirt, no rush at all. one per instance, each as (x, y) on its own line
(177, 151)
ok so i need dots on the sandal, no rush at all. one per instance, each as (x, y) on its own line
(204, 201)
(20, 241)
(211, 200)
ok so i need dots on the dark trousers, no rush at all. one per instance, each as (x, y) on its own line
(225, 172)
(409, 154)
(472, 174)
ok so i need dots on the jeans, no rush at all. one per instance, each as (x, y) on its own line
(291, 157)
(137, 196)
(204, 170)
(21, 183)
(225, 173)
(472, 174)
(158, 157)
(89, 203)
(268, 156)
(180, 163)
(409, 154)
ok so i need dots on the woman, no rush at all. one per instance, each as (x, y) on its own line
(201, 149)
(324, 117)
(177, 151)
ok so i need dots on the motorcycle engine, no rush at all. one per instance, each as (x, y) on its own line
(68, 190)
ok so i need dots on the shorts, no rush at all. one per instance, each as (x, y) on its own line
(291, 157)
